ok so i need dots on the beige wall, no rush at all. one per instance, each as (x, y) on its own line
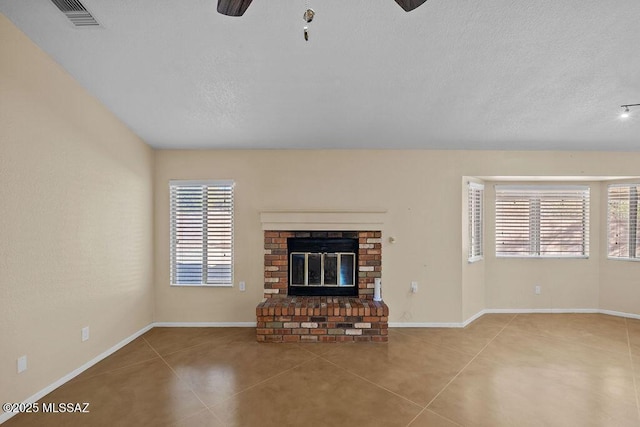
(341, 180)
(421, 190)
(76, 238)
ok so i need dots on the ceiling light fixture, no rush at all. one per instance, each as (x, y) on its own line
(625, 114)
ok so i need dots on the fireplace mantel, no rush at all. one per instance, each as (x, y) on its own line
(322, 220)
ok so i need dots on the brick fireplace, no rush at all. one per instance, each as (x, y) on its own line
(328, 318)
(276, 260)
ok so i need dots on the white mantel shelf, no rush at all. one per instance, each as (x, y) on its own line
(323, 220)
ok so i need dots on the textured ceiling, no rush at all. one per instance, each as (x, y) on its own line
(453, 74)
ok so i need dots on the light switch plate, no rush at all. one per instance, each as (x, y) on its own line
(22, 364)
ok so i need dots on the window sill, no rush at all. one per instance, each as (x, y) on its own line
(475, 259)
(230, 285)
(612, 258)
(541, 257)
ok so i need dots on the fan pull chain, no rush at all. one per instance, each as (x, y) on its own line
(308, 17)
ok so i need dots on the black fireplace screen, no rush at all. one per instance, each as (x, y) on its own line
(322, 269)
(324, 266)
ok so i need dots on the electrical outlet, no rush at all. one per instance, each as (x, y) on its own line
(242, 286)
(414, 287)
(85, 333)
(538, 290)
(22, 364)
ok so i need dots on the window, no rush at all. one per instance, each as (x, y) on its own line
(622, 220)
(201, 233)
(539, 221)
(476, 219)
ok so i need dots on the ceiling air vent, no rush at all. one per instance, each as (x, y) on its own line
(76, 12)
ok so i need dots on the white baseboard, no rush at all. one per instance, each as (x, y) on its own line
(539, 310)
(620, 314)
(510, 311)
(436, 324)
(204, 324)
(48, 389)
(472, 318)
(425, 325)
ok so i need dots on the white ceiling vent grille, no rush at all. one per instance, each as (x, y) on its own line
(76, 12)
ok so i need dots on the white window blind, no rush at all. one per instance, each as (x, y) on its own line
(622, 218)
(201, 232)
(476, 219)
(538, 221)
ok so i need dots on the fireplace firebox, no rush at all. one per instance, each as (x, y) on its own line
(367, 263)
(322, 266)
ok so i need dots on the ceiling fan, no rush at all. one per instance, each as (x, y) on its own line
(239, 7)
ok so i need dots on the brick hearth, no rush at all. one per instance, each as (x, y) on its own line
(321, 319)
(283, 318)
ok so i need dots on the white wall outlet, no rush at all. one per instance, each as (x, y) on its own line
(85, 333)
(414, 287)
(22, 364)
(242, 286)
(537, 290)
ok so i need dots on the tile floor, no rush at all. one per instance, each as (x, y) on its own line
(502, 370)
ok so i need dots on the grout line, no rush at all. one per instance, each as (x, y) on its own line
(83, 376)
(633, 373)
(193, 346)
(572, 340)
(114, 370)
(442, 416)
(205, 409)
(265, 380)
(302, 347)
(208, 407)
(187, 384)
(461, 370)
(183, 348)
(371, 382)
(443, 346)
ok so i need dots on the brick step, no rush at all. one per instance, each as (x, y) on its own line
(321, 319)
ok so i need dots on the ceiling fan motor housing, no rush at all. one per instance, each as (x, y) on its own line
(308, 15)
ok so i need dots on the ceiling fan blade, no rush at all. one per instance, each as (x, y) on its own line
(407, 5)
(233, 7)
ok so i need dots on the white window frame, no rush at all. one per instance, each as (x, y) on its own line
(223, 222)
(631, 256)
(535, 221)
(475, 193)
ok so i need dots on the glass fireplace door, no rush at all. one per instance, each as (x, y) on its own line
(322, 269)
